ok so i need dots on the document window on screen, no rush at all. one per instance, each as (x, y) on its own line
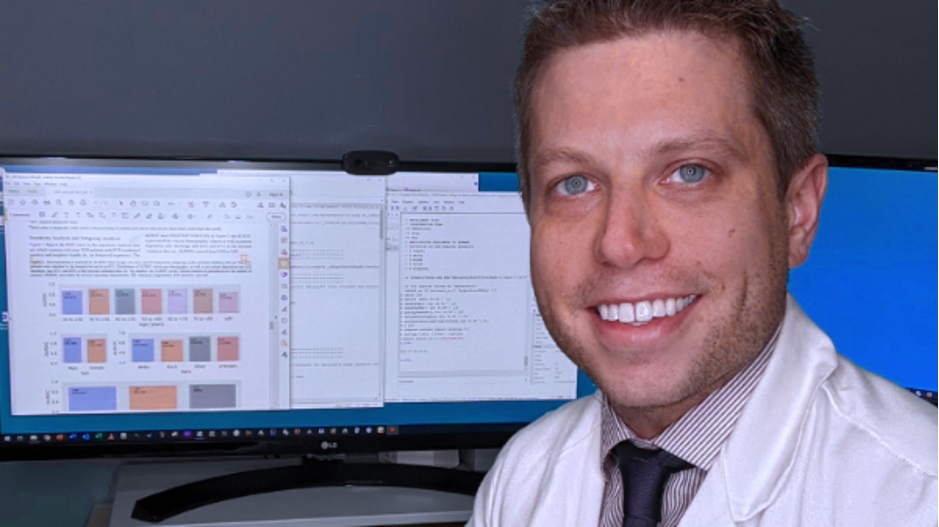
(336, 291)
(147, 293)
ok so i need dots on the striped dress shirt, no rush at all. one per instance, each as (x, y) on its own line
(696, 438)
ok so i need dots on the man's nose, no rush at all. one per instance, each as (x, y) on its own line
(631, 232)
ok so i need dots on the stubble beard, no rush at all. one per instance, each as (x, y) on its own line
(730, 344)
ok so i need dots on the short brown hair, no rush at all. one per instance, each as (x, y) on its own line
(784, 86)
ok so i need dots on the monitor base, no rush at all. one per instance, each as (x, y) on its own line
(306, 494)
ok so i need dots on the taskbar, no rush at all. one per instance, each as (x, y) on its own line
(927, 395)
(233, 434)
(250, 434)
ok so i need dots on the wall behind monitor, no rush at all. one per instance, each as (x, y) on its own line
(428, 79)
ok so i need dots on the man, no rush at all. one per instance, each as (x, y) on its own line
(668, 164)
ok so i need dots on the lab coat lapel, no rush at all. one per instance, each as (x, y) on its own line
(752, 467)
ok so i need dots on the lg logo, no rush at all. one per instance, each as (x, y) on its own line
(326, 445)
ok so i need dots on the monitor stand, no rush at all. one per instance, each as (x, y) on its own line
(289, 493)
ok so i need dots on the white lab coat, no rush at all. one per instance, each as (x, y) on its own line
(820, 442)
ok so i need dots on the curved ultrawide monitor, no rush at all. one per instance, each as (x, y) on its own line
(154, 306)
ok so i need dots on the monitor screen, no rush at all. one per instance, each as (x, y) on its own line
(870, 271)
(171, 303)
(163, 306)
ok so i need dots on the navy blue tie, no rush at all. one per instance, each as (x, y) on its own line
(645, 473)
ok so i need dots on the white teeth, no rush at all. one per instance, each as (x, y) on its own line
(640, 313)
(626, 313)
(658, 308)
(671, 307)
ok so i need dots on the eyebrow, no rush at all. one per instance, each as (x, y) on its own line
(699, 141)
(705, 141)
(559, 155)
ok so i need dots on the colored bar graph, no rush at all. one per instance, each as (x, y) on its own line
(153, 398)
(178, 301)
(200, 349)
(97, 350)
(92, 399)
(206, 396)
(99, 302)
(228, 302)
(124, 302)
(151, 301)
(171, 350)
(141, 350)
(227, 348)
(72, 302)
(71, 350)
(202, 300)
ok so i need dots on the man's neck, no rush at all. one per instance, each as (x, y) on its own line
(648, 422)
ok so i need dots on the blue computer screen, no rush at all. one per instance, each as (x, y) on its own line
(869, 280)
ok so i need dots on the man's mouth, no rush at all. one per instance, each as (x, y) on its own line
(643, 312)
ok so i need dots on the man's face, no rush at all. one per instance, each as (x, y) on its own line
(659, 244)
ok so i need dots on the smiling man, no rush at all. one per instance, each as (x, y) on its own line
(668, 164)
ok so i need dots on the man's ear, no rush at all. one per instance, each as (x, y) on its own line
(803, 206)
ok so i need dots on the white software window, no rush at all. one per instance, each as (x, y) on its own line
(462, 322)
(336, 299)
(157, 293)
(337, 291)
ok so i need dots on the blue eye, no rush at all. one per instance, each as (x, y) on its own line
(692, 173)
(575, 185)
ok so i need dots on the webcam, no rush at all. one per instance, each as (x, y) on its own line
(370, 162)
